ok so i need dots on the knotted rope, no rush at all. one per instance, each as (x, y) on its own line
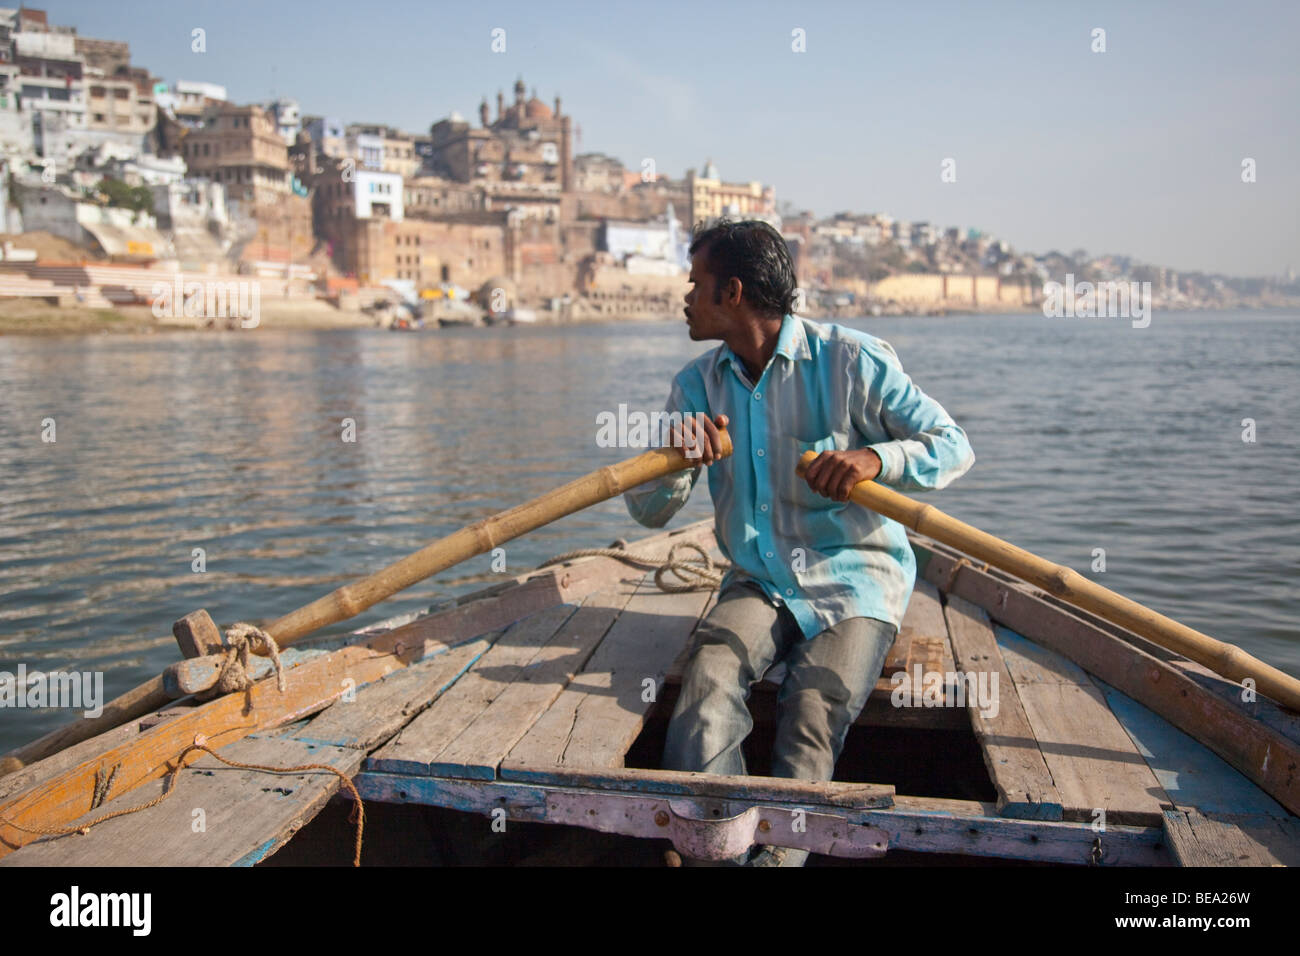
(692, 573)
(240, 638)
(103, 783)
(200, 743)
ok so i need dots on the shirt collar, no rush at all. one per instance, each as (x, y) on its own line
(792, 343)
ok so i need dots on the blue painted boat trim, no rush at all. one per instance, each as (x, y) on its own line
(1193, 775)
(257, 856)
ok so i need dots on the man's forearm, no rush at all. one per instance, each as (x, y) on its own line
(928, 460)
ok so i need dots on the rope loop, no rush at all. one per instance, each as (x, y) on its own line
(692, 572)
(241, 639)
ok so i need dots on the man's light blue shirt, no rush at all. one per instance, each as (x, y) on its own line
(826, 387)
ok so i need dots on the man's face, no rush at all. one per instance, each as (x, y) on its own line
(707, 315)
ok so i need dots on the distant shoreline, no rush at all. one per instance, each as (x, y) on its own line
(37, 318)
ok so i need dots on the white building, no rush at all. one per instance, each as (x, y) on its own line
(378, 195)
(367, 149)
(191, 203)
(15, 124)
(187, 100)
(52, 88)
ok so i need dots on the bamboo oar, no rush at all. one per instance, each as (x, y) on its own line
(351, 599)
(1068, 585)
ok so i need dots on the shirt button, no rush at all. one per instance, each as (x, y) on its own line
(757, 396)
(769, 554)
(759, 453)
(762, 507)
(789, 592)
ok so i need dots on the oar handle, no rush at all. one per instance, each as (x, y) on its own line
(1070, 586)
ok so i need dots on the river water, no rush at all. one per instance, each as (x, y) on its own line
(1088, 433)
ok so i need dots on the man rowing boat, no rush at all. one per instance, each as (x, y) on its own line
(815, 581)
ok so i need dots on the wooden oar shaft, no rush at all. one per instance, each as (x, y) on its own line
(1068, 585)
(479, 538)
(352, 599)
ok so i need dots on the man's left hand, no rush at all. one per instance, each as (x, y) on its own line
(834, 473)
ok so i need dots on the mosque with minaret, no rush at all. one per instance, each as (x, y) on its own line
(526, 149)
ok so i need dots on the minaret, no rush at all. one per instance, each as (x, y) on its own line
(483, 112)
(557, 105)
(501, 105)
(566, 154)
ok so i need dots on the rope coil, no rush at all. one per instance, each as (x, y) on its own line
(691, 573)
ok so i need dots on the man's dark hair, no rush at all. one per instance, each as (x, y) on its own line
(753, 252)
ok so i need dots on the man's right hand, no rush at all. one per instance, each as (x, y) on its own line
(699, 438)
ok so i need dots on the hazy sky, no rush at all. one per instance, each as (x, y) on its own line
(1136, 150)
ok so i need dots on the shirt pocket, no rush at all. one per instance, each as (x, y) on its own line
(789, 487)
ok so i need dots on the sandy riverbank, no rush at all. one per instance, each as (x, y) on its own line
(36, 317)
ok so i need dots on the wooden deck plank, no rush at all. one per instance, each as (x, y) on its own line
(247, 815)
(1247, 737)
(382, 708)
(752, 789)
(927, 644)
(1093, 763)
(1015, 763)
(478, 750)
(1194, 777)
(415, 747)
(596, 718)
(1197, 839)
(36, 774)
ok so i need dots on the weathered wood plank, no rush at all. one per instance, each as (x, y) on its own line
(246, 815)
(1093, 763)
(1024, 784)
(382, 708)
(721, 786)
(414, 749)
(596, 718)
(311, 686)
(917, 824)
(64, 760)
(1198, 839)
(928, 644)
(1257, 747)
(148, 756)
(479, 749)
(1194, 777)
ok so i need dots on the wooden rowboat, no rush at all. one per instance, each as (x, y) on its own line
(534, 711)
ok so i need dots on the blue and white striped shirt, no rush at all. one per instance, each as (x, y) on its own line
(826, 387)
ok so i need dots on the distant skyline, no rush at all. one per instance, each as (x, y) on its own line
(1135, 151)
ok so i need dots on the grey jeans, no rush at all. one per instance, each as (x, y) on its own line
(827, 682)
